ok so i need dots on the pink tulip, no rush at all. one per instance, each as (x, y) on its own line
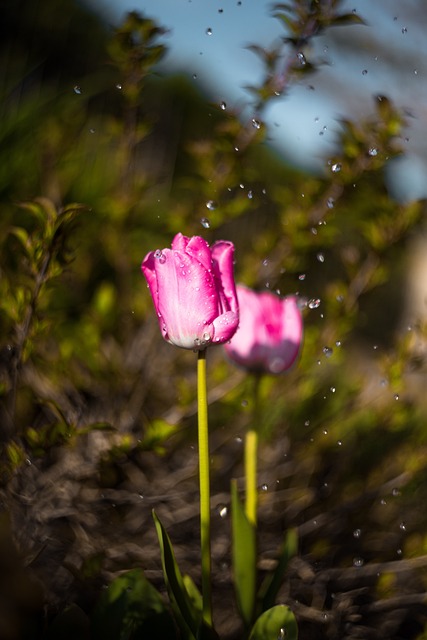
(270, 332)
(193, 290)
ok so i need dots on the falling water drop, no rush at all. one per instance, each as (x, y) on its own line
(205, 222)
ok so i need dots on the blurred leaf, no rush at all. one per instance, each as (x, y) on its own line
(188, 615)
(131, 608)
(273, 581)
(244, 557)
(155, 435)
(275, 624)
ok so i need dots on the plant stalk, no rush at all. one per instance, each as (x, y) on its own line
(204, 483)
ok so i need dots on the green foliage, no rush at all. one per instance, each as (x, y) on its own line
(277, 622)
(244, 557)
(131, 608)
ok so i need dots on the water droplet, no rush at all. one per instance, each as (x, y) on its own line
(330, 203)
(222, 511)
(383, 501)
(395, 492)
(244, 403)
(77, 89)
(399, 552)
(338, 343)
(357, 533)
(223, 105)
(301, 58)
(256, 123)
(205, 223)
(358, 562)
(339, 443)
(250, 194)
(320, 257)
(333, 389)
(160, 256)
(208, 31)
(404, 30)
(307, 423)
(314, 303)
(119, 86)
(206, 337)
(328, 351)
(282, 634)
(264, 487)
(336, 167)
(364, 72)
(301, 276)
(402, 526)
(396, 396)
(373, 152)
(211, 205)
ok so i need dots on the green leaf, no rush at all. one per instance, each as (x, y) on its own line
(274, 624)
(188, 615)
(244, 557)
(271, 585)
(132, 608)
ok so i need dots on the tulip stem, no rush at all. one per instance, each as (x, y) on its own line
(205, 511)
(251, 456)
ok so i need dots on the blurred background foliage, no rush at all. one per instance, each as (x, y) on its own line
(102, 160)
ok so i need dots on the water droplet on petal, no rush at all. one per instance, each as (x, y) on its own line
(160, 256)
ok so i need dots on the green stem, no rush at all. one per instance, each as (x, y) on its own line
(205, 510)
(251, 458)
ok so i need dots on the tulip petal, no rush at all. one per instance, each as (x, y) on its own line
(222, 257)
(270, 332)
(199, 249)
(225, 326)
(187, 301)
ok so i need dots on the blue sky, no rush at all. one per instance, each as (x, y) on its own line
(208, 39)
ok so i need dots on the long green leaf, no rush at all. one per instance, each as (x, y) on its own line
(276, 623)
(271, 585)
(187, 613)
(244, 557)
